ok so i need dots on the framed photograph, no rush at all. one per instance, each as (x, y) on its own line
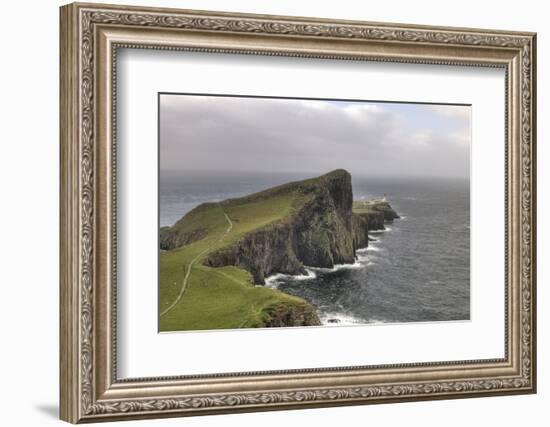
(266, 212)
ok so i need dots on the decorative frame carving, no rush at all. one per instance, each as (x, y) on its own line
(90, 36)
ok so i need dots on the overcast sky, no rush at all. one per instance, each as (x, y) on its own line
(286, 135)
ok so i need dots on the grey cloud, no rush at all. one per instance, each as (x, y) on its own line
(250, 134)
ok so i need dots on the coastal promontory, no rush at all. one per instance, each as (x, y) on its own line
(284, 229)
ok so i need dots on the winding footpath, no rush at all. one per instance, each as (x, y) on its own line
(193, 261)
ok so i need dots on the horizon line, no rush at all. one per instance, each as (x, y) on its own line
(312, 173)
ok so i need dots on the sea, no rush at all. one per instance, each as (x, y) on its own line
(416, 270)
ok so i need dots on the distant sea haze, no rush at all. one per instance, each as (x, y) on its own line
(417, 270)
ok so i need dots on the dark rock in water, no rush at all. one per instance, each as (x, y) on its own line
(333, 321)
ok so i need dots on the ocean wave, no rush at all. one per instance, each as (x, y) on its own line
(359, 263)
(363, 259)
(274, 280)
(381, 231)
(364, 251)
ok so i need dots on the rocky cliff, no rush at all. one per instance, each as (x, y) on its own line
(374, 212)
(325, 227)
(322, 231)
(317, 233)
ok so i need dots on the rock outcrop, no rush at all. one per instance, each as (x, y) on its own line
(278, 315)
(360, 230)
(324, 229)
(375, 213)
(318, 233)
(384, 208)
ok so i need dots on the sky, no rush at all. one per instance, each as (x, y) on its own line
(313, 136)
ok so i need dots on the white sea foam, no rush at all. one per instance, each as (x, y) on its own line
(362, 260)
(337, 267)
(381, 231)
(343, 319)
(339, 319)
(310, 274)
(274, 280)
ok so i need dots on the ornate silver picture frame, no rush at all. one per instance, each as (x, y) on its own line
(91, 35)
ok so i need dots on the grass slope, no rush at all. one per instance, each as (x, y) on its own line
(373, 206)
(215, 298)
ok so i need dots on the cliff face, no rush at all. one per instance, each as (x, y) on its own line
(385, 209)
(375, 213)
(360, 227)
(320, 233)
(325, 227)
